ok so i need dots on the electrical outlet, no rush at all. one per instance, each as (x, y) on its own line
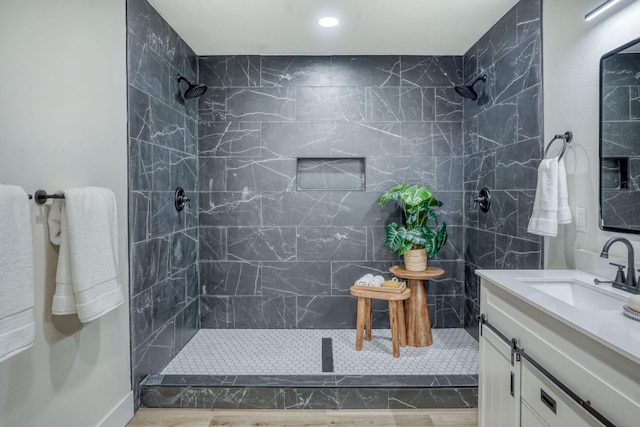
(581, 220)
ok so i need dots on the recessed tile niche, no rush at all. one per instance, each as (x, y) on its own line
(615, 173)
(331, 173)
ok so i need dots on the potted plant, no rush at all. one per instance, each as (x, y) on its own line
(419, 236)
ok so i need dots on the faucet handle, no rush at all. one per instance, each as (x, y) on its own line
(620, 277)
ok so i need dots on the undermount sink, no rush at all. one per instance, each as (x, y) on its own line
(578, 294)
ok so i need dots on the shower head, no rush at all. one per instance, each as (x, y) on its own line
(467, 91)
(194, 90)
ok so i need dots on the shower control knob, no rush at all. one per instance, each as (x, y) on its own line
(181, 199)
(483, 200)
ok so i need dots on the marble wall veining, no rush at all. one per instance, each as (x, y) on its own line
(503, 147)
(275, 256)
(163, 154)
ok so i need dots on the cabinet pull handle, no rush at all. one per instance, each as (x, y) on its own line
(548, 400)
(511, 385)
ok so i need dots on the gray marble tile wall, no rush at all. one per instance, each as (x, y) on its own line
(273, 256)
(620, 187)
(163, 243)
(503, 147)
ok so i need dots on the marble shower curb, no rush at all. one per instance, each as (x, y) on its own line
(310, 392)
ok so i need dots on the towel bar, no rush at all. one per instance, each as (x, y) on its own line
(41, 197)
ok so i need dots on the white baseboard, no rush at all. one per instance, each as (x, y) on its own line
(121, 414)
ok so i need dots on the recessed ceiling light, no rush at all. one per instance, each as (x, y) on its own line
(328, 22)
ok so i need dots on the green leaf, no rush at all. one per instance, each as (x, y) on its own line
(395, 237)
(412, 217)
(407, 246)
(437, 240)
(434, 202)
(394, 193)
(431, 245)
(431, 215)
(416, 236)
(442, 235)
(416, 195)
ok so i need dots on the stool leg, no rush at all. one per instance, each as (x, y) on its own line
(393, 319)
(402, 326)
(369, 320)
(360, 322)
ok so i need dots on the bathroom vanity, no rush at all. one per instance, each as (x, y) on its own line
(556, 350)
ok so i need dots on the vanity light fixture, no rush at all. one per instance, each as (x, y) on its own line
(328, 22)
(600, 9)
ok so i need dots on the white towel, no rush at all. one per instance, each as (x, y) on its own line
(17, 318)
(551, 205)
(564, 213)
(84, 225)
(64, 302)
(370, 280)
(377, 281)
(364, 280)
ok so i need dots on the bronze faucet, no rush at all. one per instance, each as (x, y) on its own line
(630, 283)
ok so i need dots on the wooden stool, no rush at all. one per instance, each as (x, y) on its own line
(416, 308)
(396, 316)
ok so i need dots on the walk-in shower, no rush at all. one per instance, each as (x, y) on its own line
(242, 299)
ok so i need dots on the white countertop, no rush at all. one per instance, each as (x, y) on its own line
(610, 328)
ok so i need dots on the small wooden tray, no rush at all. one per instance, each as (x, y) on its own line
(380, 289)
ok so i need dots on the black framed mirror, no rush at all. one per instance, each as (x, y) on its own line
(620, 139)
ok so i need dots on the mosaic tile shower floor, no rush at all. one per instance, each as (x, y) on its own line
(299, 352)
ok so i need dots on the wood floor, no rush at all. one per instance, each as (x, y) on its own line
(382, 417)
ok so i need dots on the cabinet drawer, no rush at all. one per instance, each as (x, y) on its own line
(549, 402)
(529, 418)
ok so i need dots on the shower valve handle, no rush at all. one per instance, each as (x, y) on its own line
(181, 199)
(483, 200)
(480, 200)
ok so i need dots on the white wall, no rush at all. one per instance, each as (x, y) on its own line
(571, 53)
(63, 124)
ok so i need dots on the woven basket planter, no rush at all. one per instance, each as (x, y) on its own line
(415, 260)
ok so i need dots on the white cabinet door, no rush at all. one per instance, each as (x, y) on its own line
(499, 395)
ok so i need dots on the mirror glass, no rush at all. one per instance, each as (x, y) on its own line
(620, 139)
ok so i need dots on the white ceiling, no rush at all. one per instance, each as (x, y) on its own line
(367, 27)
